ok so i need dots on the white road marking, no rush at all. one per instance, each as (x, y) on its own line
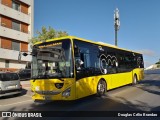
(16, 103)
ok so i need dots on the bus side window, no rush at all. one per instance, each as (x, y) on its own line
(79, 60)
(76, 51)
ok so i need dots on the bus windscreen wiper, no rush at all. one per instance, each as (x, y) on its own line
(46, 76)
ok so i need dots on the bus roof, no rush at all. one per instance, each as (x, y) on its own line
(89, 41)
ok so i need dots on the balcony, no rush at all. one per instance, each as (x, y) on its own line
(12, 55)
(7, 11)
(28, 2)
(13, 34)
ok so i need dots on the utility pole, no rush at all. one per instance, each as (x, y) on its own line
(116, 24)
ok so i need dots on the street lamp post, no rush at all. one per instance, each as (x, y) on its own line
(116, 24)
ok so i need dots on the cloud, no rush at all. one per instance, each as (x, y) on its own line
(147, 52)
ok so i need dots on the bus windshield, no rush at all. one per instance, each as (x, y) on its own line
(52, 60)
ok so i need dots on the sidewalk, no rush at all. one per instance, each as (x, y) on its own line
(26, 88)
(26, 84)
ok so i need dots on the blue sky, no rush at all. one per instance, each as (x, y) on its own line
(93, 20)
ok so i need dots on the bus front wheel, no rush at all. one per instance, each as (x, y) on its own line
(101, 88)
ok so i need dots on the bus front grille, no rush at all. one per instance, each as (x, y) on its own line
(48, 92)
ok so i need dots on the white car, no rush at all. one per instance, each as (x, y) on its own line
(9, 84)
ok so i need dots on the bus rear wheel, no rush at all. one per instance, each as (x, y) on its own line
(135, 80)
(101, 88)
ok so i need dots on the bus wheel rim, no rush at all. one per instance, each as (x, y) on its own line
(135, 80)
(101, 87)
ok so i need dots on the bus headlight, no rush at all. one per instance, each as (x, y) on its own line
(66, 93)
(37, 88)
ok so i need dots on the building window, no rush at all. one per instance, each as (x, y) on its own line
(6, 43)
(15, 46)
(6, 22)
(6, 63)
(24, 8)
(24, 47)
(6, 2)
(15, 5)
(16, 25)
(24, 27)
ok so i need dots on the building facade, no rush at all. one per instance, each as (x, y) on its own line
(16, 28)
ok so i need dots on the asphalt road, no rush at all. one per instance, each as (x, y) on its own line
(144, 96)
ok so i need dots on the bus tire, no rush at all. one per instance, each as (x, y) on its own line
(101, 88)
(135, 80)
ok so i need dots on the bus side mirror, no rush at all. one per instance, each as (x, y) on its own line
(25, 54)
(20, 55)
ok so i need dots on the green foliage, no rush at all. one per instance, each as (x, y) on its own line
(158, 66)
(46, 34)
(157, 62)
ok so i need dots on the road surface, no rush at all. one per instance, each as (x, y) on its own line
(144, 96)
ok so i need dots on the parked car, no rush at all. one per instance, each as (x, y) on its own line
(24, 74)
(9, 84)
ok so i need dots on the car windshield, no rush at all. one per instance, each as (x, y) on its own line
(52, 60)
(8, 76)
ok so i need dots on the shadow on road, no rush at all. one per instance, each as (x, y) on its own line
(24, 92)
(90, 105)
(150, 82)
(93, 104)
(156, 109)
(87, 104)
(151, 86)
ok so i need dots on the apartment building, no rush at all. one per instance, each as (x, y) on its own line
(16, 28)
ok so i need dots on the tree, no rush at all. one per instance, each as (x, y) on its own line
(46, 34)
(158, 62)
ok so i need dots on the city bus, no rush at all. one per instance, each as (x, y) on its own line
(69, 68)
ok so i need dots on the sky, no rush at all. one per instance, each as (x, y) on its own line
(93, 20)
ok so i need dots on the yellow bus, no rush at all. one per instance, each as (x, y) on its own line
(69, 68)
